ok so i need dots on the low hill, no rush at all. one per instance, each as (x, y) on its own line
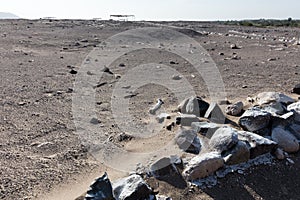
(5, 15)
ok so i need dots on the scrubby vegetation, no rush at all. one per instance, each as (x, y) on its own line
(265, 23)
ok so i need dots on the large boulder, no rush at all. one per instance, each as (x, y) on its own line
(238, 154)
(215, 114)
(100, 189)
(257, 144)
(269, 97)
(255, 119)
(275, 108)
(131, 188)
(188, 141)
(223, 139)
(286, 140)
(206, 128)
(203, 165)
(193, 105)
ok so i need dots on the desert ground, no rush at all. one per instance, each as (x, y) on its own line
(42, 155)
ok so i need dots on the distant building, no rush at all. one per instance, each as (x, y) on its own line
(122, 17)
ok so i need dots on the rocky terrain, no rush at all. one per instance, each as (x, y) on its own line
(44, 156)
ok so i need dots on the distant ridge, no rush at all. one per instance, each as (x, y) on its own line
(6, 15)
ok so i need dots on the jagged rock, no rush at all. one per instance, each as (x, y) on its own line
(258, 145)
(268, 97)
(239, 154)
(186, 120)
(188, 141)
(296, 89)
(234, 109)
(131, 188)
(275, 108)
(193, 105)
(162, 168)
(223, 139)
(295, 108)
(205, 128)
(203, 165)
(254, 119)
(215, 114)
(100, 189)
(287, 141)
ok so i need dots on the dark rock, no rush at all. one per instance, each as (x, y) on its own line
(73, 71)
(234, 109)
(296, 89)
(258, 145)
(202, 166)
(122, 65)
(131, 188)
(223, 139)
(95, 121)
(170, 126)
(193, 105)
(100, 189)
(285, 140)
(188, 141)
(254, 119)
(239, 154)
(107, 70)
(186, 120)
(205, 128)
(124, 137)
(215, 114)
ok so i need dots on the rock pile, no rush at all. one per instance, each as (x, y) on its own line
(270, 127)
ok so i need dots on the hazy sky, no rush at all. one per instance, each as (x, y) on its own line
(154, 9)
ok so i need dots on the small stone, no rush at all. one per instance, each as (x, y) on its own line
(215, 114)
(279, 154)
(234, 109)
(176, 77)
(73, 71)
(188, 141)
(122, 65)
(95, 121)
(124, 137)
(287, 141)
(234, 46)
(202, 166)
(223, 139)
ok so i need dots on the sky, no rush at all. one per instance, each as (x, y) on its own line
(200, 10)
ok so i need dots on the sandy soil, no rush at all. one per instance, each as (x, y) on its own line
(42, 157)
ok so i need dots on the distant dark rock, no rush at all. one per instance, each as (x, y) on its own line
(101, 189)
